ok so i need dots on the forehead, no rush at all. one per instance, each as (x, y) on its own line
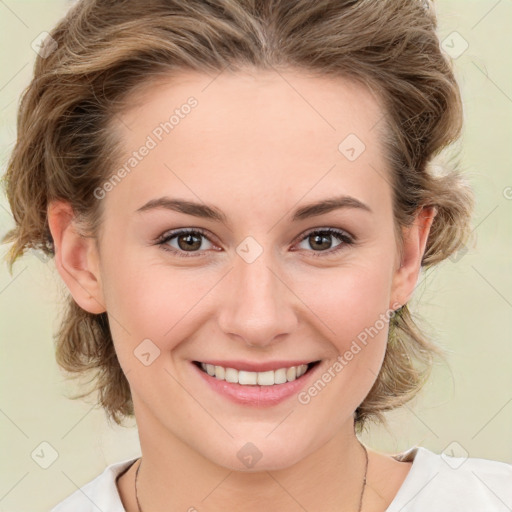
(252, 132)
(258, 102)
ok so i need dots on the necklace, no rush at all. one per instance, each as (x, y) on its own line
(360, 498)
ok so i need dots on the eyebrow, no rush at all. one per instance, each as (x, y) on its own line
(212, 213)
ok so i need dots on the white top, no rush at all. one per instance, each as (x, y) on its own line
(434, 483)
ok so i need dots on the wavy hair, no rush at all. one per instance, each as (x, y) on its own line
(107, 50)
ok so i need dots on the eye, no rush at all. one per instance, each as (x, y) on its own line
(187, 241)
(320, 239)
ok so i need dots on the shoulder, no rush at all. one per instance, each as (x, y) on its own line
(445, 483)
(99, 494)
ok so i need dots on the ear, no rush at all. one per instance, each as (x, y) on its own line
(414, 242)
(76, 258)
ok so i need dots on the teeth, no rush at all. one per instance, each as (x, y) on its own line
(245, 378)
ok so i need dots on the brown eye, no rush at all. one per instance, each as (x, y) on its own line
(320, 240)
(184, 241)
(189, 241)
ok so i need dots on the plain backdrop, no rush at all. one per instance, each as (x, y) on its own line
(466, 302)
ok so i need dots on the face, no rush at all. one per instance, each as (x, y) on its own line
(258, 277)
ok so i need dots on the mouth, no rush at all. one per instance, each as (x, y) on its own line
(252, 378)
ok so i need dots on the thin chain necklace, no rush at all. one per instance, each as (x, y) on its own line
(360, 499)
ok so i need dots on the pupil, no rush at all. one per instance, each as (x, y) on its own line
(189, 241)
(319, 238)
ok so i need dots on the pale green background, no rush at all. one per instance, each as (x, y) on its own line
(467, 303)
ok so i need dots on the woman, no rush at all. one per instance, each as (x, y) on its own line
(239, 196)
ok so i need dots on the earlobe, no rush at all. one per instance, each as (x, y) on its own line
(414, 244)
(76, 258)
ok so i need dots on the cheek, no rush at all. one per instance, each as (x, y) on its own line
(354, 314)
(352, 299)
(147, 299)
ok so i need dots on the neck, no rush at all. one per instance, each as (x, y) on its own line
(173, 476)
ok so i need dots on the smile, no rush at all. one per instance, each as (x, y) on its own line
(248, 378)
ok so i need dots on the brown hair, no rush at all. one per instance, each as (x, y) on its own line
(108, 49)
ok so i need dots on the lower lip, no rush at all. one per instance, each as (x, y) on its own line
(260, 396)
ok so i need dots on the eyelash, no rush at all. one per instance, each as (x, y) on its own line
(345, 238)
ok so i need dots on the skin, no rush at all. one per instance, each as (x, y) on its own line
(257, 146)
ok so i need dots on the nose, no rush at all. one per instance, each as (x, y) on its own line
(257, 304)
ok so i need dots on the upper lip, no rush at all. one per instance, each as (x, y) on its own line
(250, 366)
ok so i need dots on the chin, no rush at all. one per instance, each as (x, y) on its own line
(260, 454)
